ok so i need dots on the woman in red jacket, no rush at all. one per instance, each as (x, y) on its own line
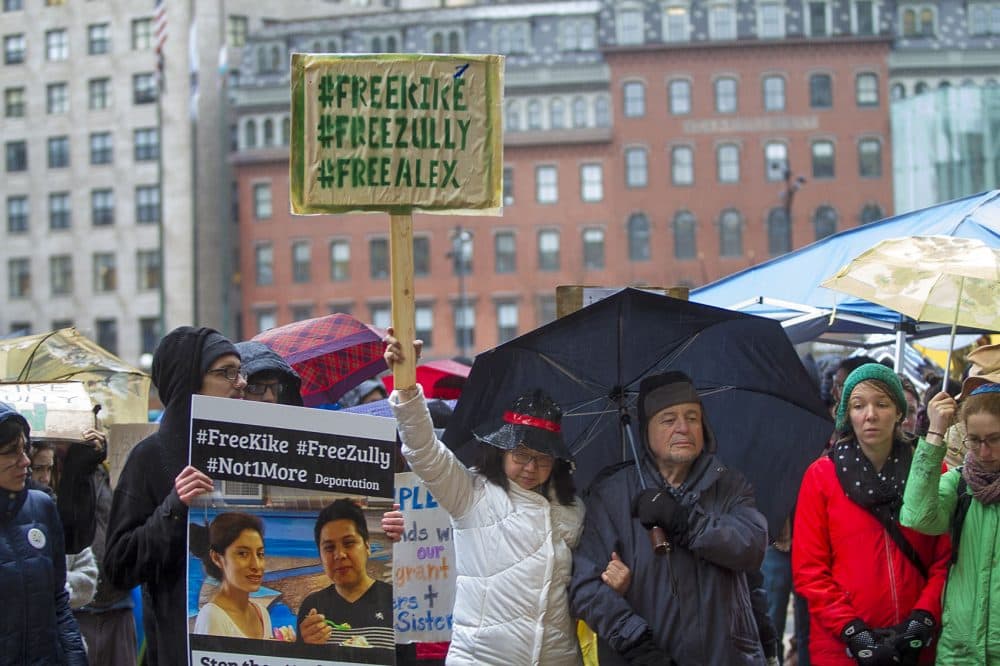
(873, 587)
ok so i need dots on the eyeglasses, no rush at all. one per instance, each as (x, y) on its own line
(230, 373)
(522, 457)
(260, 389)
(993, 441)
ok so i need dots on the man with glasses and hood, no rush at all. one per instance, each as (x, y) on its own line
(689, 603)
(147, 527)
(269, 377)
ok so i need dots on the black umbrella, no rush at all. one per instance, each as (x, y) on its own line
(761, 405)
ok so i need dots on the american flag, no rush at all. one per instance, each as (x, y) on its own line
(160, 36)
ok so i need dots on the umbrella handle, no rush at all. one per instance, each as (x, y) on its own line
(658, 538)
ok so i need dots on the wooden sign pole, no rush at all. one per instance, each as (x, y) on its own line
(404, 375)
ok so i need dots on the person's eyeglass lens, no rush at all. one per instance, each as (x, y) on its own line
(993, 441)
(261, 389)
(230, 373)
(523, 458)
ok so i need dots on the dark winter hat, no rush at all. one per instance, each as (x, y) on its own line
(534, 420)
(657, 392)
(870, 371)
(213, 346)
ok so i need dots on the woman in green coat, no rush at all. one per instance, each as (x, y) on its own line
(933, 504)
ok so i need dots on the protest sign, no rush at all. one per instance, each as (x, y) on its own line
(288, 565)
(396, 133)
(423, 565)
(54, 410)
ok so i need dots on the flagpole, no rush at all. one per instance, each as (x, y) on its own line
(161, 291)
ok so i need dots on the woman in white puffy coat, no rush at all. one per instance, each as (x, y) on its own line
(515, 521)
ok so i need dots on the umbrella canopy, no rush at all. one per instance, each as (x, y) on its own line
(332, 354)
(939, 279)
(441, 379)
(764, 410)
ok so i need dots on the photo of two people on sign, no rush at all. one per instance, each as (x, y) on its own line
(283, 569)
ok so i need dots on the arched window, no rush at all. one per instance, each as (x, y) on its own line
(250, 134)
(898, 91)
(684, 235)
(579, 112)
(870, 213)
(285, 130)
(391, 44)
(268, 132)
(376, 45)
(534, 115)
(454, 42)
(275, 58)
(437, 43)
(513, 117)
(779, 232)
(909, 22)
(927, 22)
(557, 114)
(332, 47)
(602, 112)
(730, 234)
(262, 59)
(825, 221)
(638, 237)
(504, 39)
(920, 88)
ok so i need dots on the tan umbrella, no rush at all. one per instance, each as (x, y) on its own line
(941, 279)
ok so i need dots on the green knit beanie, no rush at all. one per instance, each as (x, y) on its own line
(865, 372)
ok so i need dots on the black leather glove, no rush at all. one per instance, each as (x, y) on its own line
(914, 634)
(658, 507)
(645, 652)
(867, 646)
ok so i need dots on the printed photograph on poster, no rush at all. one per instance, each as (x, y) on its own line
(287, 561)
(423, 565)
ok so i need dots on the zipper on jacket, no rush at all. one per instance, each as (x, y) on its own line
(892, 576)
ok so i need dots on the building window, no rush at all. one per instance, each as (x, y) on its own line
(546, 185)
(984, 18)
(59, 211)
(268, 132)
(61, 274)
(534, 114)
(508, 186)
(816, 19)
(730, 234)
(775, 160)
(504, 252)
(897, 91)
(725, 95)
(822, 159)
(99, 93)
(98, 38)
(100, 148)
(728, 163)
(638, 237)
(680, 97)
(58, 152)
(378, 258)
(301, 262)
(682, 165)
(871, 213)
(774, 93)
(421, 256)
(684, 235)
(545, 309)
(19, 278)
(142, 34)
(17, 215)
(143, 88)
(636, 167)
(870, 158)
(56, 98)
(105, 272)
(13, 102)
(381, 315)
(866, 89)
(864, 17)
(340, 260)
(820, 91)
(262, 201)
(13, 49)
(147, 204)
(512, 117)
(107, 334)
(579, 109)
(513, 38)
(506, 322)
(557, 114)
(578, 34)
(102, 207)
(147, 265)
(266, 319)
(825, 221)
(722, 22)
(465, 325)
(548, 250)
(17, 156)
(13, 5)
(56, 45)
(236, 30)
(631, 23)
(675, 25)
(591, 182)
(602, 112)
(634, 99)
(423, 319)
(264, 265)
(771, 20)
(779, 232)
(147, 144)
(149, 334)
(593, 249)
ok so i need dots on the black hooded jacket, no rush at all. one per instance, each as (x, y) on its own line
(259, 358)
(147, 528)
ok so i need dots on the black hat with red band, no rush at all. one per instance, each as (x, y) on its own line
(533, 420)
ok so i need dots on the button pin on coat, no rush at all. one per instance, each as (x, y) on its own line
(36, 538)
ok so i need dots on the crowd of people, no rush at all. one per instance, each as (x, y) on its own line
(889, 553)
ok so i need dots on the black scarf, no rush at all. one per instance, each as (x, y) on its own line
(880, 493)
